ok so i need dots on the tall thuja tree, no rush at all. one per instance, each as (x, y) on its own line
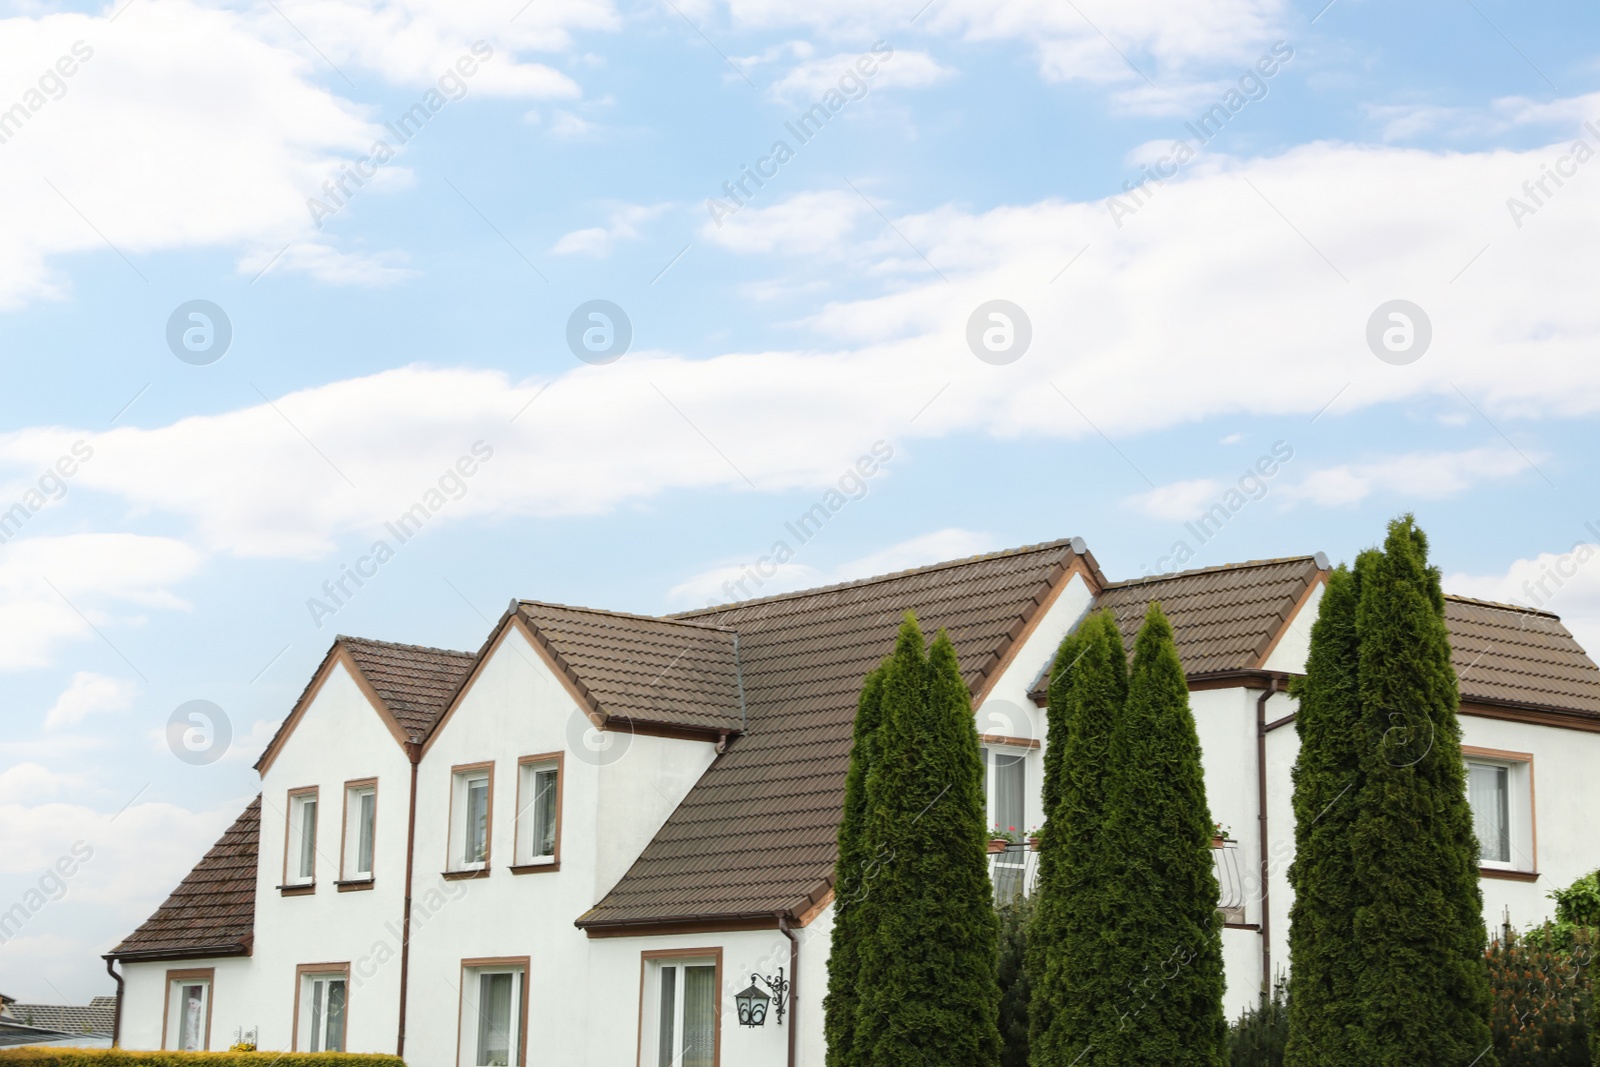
(852, 881)
(1422, 985)
(1323, 1014)
(928, 988)
(1161, 898)
(1067, 948)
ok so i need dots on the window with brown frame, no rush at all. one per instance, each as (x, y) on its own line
(186, 1010)
(471, 817)
(300, 840)
(1500, 791)
(493, 1027)
(321, 1007)
(680, 1008)
(358, 838)
(538, 828)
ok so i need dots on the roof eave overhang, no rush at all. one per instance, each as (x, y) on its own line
(203, 952)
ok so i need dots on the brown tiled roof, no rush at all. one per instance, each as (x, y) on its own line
(1507, 654)
(212, 912)
(416, 682)
(644, 669)
(756, 835)
(97, 1017)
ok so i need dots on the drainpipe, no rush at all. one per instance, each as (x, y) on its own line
(414, 752)
(1261, 822)
(116, 1017)
(794, 982)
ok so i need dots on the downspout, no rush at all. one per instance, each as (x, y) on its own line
(116, 1017)
(414, 753)
(794, 982)
(1261, 821)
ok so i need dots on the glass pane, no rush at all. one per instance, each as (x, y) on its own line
(335, 1028)
(192, 1021)
(477, 820)
(369, 803)
(544, 813)
(666, 1053)
(1489, 793)
(699, 1016)
(494, 1019)
(308, 838)
(316, 1015)
(988, 805)
(1010, 791)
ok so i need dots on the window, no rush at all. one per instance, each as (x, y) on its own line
(1500, 791)
(494, 1012)
(471, 817)
(538, 812)
(300, 845)
(360, 829)
(321, 1001)
(682, 1012)
(188, 1010)
(1005, 783)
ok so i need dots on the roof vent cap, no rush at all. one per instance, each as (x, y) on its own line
(1322, 560)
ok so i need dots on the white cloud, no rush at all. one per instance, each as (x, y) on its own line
(598, 241)
(806, 224)
(807, 81)
(33, 782)
(1402, 122)
(1178, 501)
(87, 694)
(46, 581)
(1424, 475)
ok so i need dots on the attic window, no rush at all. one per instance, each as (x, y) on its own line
(539, 811)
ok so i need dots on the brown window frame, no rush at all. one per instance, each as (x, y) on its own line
(346, 884)
(209, 975)
(649, 956)
(557, 758)
(299, 888)
(300, 973)
(474, 962)
(1498, 755)
(451, 870)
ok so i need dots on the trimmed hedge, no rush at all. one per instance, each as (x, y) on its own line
(38, 1056)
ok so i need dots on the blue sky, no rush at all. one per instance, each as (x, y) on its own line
(1180, 332)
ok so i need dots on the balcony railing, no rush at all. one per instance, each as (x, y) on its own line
(1014, 873)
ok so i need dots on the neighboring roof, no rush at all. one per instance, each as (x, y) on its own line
(97, 1017)
(757, 834)
(13, 1033)
(415, 682)
(212, 912)
(641, 668)
(1506, 654)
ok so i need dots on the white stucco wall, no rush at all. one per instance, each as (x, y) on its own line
(144, 993)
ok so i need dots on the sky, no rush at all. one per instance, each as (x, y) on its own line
(604, 295)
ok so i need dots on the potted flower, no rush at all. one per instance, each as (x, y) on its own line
(1220, 835)
(1033, 838)
(1000, 840)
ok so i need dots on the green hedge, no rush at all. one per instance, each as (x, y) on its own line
(115, 1057)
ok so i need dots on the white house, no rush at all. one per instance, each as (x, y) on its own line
(582, 843)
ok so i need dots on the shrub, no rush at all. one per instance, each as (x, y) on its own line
(1541, 990)
(1015, 991)
(1579, 903)
(117, 1057)
(1260, 1035)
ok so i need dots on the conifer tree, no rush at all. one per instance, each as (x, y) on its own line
(1422, 981)
(851, 873)
(1322, 1001)
(1069, 986)
(928, 988)
(1161, 898)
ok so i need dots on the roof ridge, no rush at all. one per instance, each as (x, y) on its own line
(629, 615)
(399, 644)
(1214, 568)
(1520, 609)
(1062, 542)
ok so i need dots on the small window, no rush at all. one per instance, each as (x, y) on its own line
(300, 865)
(681, 1015)
(471, 817)
(539, 811)
(322, 1006)
(188, 1025)
(493, 1006)
(1006, 789)
(360, 827)
(1500, 792)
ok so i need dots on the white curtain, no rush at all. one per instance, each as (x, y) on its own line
(699, 1016)
(1489, 795)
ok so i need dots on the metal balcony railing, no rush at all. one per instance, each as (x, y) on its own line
(1014, 873)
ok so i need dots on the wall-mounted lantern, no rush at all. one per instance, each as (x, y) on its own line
(753, 1002)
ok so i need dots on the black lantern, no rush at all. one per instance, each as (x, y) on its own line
(753, 1003)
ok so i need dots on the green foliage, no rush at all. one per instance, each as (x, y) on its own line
(116, 1057)
(1015, 989)
(1259, 1038)
(928, 988)
(1542, 997)
(1068, 957)
(1421, 983)
(1579, 903)
(1160, 902)
(851, 875)
(1322, 1011)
